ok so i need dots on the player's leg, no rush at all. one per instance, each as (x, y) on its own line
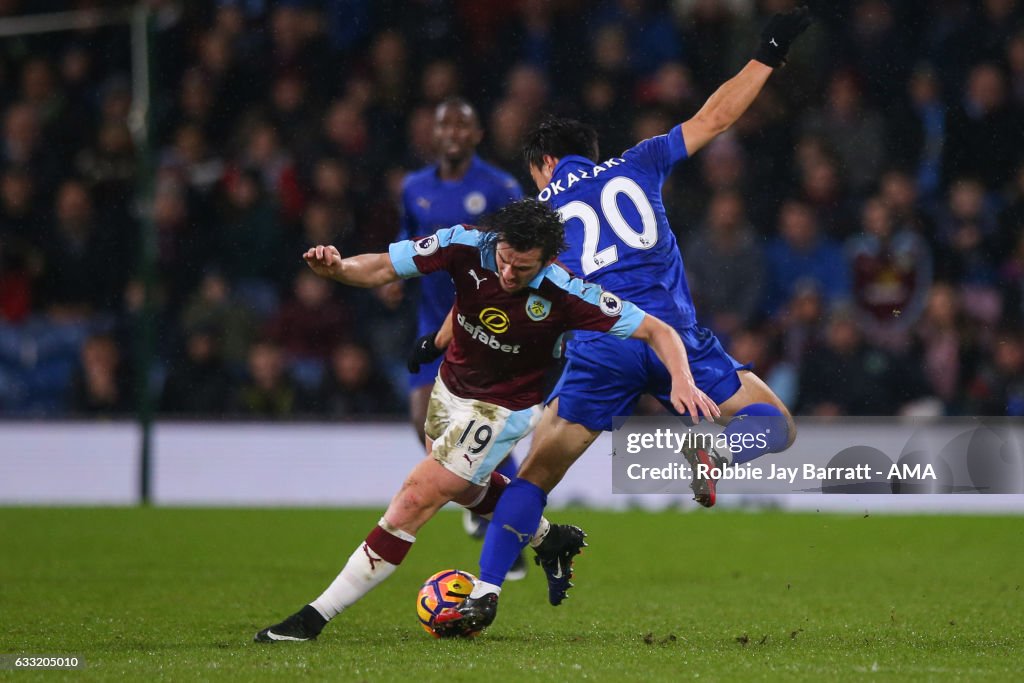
(425, 490)
(603, 378)
(422, 384)
(748, 406)
(427, 487)
(476, 526)
(419, 398)
(755, 398)
(556, 445)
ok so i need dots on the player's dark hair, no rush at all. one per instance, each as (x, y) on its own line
(527, 224)
(559, 137)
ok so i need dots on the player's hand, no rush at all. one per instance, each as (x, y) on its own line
(423, 351)
(779, 34)
(688, 399)
(324, 261)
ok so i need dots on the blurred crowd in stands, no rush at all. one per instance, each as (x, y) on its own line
(859, 235)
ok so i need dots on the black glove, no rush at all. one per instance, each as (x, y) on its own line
(779, 34)
(423, 352)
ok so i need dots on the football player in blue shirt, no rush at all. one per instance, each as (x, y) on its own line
(619, 237)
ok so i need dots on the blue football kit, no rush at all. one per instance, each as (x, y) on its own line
(620, 238)
(429, 204)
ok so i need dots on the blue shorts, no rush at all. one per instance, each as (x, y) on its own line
(604, 376)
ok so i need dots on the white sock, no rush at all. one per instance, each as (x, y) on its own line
(538, 536)
(482, 588)
(363, 571)
(541, 533)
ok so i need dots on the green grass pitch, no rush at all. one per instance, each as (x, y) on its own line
(176, 595)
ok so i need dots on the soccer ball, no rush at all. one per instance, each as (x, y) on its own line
(444, 589)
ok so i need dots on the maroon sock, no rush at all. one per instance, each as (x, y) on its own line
(388, 547)
(490, 499)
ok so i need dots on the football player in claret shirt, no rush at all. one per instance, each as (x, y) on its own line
(619, 237)
(458, 188)
(511, 305)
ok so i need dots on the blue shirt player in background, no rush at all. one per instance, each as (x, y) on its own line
(457, 189)
(619, 237)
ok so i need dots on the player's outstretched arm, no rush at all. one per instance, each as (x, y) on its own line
(686, 397)
(365, 270)
(735, 96)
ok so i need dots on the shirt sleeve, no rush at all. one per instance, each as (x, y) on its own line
(589, 307)
(660, 153)
(424, 255)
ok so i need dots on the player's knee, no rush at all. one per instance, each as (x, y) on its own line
(775, 424)
(790, 430)
(414, 498)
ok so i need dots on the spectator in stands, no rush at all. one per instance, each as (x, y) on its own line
(822, 188)
(21, 146)
(310, 323)
(191, 159)
(848, 377)
(199, 384)
(801, 254)
(508, 124)
(985, 134)
(757, 347)
(998, 388)
(917, 131)
(268, 393)
(99, 386)
(263, 156)
(20, 233)
(802, 322)
(351, 386)
(853, 129)
(1015, 62)
(650, 34)
(82, 268)
(292, 114)
(108, 167)
(250, 241)
(965, 229)
(725, 267)
(214, 305)
(1011, 243)
(891, 273)
(901, 196)
(946, 341)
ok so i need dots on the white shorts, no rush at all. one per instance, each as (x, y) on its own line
(472, 437)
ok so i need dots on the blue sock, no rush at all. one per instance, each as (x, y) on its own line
(515, 519)
(509, 467)
(767, 428)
